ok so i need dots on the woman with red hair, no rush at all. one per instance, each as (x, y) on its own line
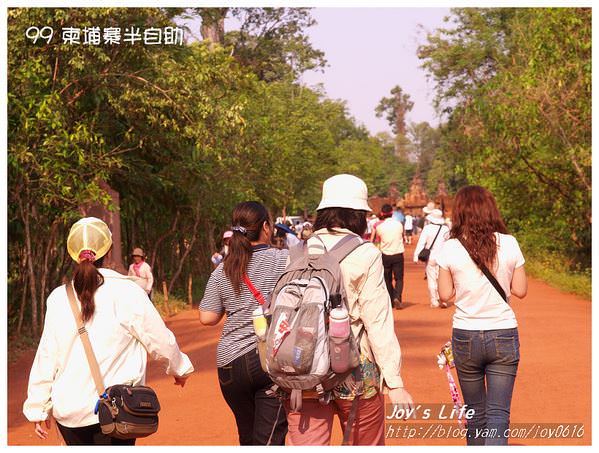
(482, 265)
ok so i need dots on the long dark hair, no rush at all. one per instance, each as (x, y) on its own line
(352, 219)
(475, 218)
(86, 281)
(249, 215)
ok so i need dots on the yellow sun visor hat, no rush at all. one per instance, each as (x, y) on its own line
(89, 233)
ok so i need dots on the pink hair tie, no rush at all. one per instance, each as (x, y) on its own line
(87, 255)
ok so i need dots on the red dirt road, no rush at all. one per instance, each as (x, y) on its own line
(553, 383)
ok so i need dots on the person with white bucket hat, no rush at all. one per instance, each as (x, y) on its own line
(142, 270)
(342, 212)
(429, 208)
(433, 235)
(123, 326)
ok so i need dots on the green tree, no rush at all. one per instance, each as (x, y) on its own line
(520, 116)
(273, 42)
(182, 133)
(465, 55)
(394, 109)
(425, 142)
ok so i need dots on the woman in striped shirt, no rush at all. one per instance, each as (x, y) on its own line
(242, 381)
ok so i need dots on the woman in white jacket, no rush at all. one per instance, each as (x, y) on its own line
(432, 237)
(123, 327)
(142, 270)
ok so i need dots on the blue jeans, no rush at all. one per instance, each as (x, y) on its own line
(492, 355)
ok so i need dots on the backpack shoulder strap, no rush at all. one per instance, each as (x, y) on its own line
(297, 251)
(345, 246)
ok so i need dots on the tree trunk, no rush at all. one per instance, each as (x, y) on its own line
(22, 308)
(209, 229)
(133, 243)
(114, 257)
(165, 294)
(64, 259)
(213, 25)
(32, 287)
(189, 291)
(162, 238)
(49, 248)
(187, 249)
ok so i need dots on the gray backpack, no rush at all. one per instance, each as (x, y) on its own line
(297, 341)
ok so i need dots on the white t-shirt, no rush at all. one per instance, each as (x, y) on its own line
(409, 222)
(371, 223)
(391, 233)
(478, 304)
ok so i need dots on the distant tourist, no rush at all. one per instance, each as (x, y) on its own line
(409, 228)
(430, 206)
(417, 222)
(432, 238)
(398, 215)
(390, 232)
(307, 231)
(218, 257)
(372, 220)
(485, 338)
(374, 237)
(142, 270)
(285, 230)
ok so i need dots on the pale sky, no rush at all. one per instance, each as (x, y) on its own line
(369, 51)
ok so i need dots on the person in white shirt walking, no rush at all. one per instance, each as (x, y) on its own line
(390, 232)
(372, 220)
(429, 208)
(123, 327)
(409, 228)
(482, 266)
(432, 237)
(142, 270)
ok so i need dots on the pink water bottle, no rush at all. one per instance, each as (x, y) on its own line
(339, 339)
(339, 323)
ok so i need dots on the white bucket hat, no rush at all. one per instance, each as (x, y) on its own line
(430, 206)
(436, 216)
(89, 233)
(344, 191)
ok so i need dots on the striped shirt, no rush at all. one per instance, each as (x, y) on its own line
(238, 338)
